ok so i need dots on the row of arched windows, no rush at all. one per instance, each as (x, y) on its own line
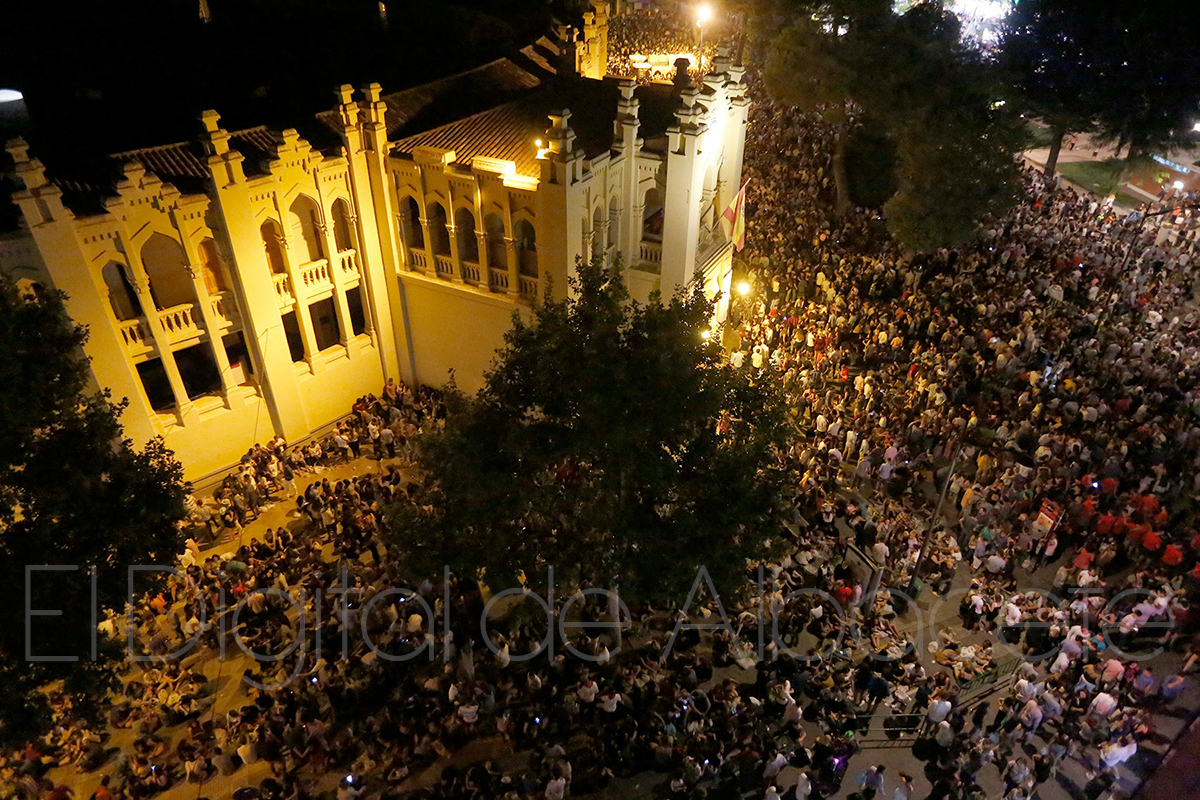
(413, 235)
(305, 225)
(166, 268)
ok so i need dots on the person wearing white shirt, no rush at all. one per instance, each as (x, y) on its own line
(803, 786)
(1103, 705)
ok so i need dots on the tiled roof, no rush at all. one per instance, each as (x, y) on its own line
(187, 160)
(450, 98)
(510, 131)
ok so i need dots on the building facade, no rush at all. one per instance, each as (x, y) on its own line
(255, 282)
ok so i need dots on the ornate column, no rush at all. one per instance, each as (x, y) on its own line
(183, 404)
(345, 327)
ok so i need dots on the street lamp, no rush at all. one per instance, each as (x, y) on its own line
(703, 15)
(743, 288)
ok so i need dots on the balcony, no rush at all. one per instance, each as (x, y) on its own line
(316, 278)
(445, 267)
(416, 260)
(224, 311)
(136, 335)
(649, 257)
(528, 285)
(179, 323)
(471, 273)
(283, 292)
(498, 280)
(348, 261)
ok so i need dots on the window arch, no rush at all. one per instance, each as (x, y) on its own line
(439, 234)
(652, 215)
(464, 230)
(598, 242)
(121, 294)
(306, 227)
(269, 231)
(410, 224)
(526, 244)
(614, 222)
(167, 268)
(342, 237)
(212, 267)
(497, 253)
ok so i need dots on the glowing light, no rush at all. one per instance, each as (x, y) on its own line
(743, 288)
(1178, 185)
(10, 96)
(703, 15)
(1195, 127)
(705, 335)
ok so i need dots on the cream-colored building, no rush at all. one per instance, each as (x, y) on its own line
(254, 282)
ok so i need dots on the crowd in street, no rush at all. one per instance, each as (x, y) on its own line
(657, 32)
(1056, 360)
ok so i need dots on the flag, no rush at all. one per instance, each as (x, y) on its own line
(735, 215)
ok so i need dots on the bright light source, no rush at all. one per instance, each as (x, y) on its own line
(12, 96)
(1178, 185)
(1196, 127)
(703, 14)
(743, 288)
(538, 142)
(705, 335)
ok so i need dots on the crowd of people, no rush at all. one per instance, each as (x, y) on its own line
(1052, 367)
(639, 39)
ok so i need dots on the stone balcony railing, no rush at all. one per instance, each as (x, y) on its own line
(315, 277)
(348, 261)
(224, 311)
(498, 280)
(136, 335)
(180, 323)
(470, 272)
(445, 267)
(528, 285)
(283, 291)
(416, 259)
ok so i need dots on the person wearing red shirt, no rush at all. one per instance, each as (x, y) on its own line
(1109, 485)
(1152, 541)
(1172, 555)
(1104, 525)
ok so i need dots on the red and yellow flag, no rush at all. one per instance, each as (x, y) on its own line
(735, 215)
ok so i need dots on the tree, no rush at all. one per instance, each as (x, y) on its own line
(73, 491)
(936, 100)
(609, 443)
(1046, 55)
(816, 64)
(1129, 69)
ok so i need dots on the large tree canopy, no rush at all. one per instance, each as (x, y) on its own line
(1129, 70)
(609, 443)
(73, 492)
(937, 100)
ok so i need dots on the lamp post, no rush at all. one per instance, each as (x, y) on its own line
(703, 15)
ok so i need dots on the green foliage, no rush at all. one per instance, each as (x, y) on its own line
(1131, 70)
(74, 492)
(594, 448)
(935, 100)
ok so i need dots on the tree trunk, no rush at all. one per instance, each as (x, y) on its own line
(840, 179)
(1058, 135)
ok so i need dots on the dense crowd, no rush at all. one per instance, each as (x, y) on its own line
(638, 35)
(1055, 362)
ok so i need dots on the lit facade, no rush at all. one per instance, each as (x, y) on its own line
(256, 282)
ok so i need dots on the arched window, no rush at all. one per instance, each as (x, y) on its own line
(598, 242)
(614, 222)
(526, 243)
(121, 294)
(438, 232)
(464, 229)
(306, 228)
(652, 216)
(497, 253)
(271, 242)
(342, 239)
(410, 224)
(211, 267)
(166, 267)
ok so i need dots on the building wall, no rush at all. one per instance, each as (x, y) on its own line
(164, 279)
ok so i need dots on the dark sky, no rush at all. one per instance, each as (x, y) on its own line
(106, 75)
